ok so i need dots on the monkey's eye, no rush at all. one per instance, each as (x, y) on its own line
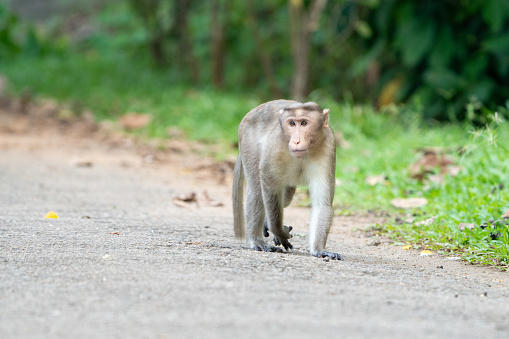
(292, 123)
(304, 123)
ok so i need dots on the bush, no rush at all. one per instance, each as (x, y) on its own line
(442, 53)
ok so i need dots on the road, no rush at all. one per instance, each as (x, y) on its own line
(124, 261)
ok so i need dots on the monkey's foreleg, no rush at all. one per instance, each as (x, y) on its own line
(321, 219)
(289, 192)
(274, 213)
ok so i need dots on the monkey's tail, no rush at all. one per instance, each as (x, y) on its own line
(238, 199)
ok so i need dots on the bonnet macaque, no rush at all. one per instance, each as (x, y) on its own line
(283, 144)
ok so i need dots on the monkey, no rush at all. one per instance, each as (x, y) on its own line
(282, 144)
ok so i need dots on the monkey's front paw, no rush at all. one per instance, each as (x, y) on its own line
(286, 244)
(332, 255)
(267, 248)
(286, 231)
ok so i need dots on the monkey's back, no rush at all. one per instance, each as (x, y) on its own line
(261, 120)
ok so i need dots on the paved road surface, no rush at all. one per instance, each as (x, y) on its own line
(175, 272)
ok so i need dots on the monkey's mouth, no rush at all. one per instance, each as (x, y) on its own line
(298, 153)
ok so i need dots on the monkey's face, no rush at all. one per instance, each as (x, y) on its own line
(301, 131)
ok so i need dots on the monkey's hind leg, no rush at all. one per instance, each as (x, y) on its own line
(255, 215)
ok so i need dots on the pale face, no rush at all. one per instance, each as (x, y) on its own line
(302, 128)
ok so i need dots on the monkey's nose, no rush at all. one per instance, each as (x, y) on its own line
(296, 141)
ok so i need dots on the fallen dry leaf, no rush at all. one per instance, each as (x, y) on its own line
(372, 180)
(51, 215)
(464, 225)
(409, 202)
(426, 222)
(437, 178)
(406, 247)
(453, 170)
(117, 233)
(373, 242)
(506, 215)
(132, 121)
(426, 253)
(185, 200)
(431, 161)
(81, 163)
(179, 203)
(211, 202)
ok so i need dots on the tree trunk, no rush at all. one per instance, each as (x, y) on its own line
(185, 52)
(263, 53)
(217, 41)
(302, 24)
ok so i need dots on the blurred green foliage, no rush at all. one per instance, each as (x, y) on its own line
(435, 56)
(16, 37)
(440, 54)
(447, 53)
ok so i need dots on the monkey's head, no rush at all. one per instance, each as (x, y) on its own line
(303, 126)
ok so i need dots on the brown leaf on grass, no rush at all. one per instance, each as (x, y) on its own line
(185, 200)
(464, 225)
(452, 170)
(436, 178)
(506, 215)
(438, 150)
(133, 121)
(426, 222)
(427, 165)
(409, 202)
(372, 180)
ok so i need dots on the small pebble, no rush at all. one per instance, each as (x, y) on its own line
(326, 259)
(440, 266)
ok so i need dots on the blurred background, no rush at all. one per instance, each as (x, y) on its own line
(418, 91)
(436, 56)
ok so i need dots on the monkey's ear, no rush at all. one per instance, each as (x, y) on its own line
(326, 117)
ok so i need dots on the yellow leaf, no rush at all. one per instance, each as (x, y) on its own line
(426, 252)
(407, 247)
(51, 215)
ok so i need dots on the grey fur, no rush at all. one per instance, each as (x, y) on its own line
(271, 173)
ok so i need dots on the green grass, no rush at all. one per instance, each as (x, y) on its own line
(477, 194)
(111, 86)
